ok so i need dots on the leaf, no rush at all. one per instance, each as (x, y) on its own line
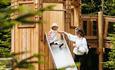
(5, 2)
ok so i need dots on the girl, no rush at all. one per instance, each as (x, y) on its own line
(81, 49)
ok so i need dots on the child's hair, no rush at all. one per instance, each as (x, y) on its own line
(80, 31)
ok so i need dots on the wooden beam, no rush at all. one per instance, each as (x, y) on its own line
(106, 28)
(87, 17)
(77, 16)
(110, 19)
(25, 2)
(53, 1)
(100, 40)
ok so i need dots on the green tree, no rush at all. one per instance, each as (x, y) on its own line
(93, 6)
(109, 7)
(111, 63)
(90, 6)
(5, 35)
(5, 38)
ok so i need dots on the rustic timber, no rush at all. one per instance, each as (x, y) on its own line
(100, 39)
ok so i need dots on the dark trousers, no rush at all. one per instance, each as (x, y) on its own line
(83, 61)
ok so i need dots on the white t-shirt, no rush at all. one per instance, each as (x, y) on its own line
(54, 36)
(81, 44)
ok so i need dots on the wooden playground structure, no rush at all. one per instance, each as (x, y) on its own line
(67, 13)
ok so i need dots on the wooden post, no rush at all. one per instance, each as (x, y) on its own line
(76, 17)
(100, 39)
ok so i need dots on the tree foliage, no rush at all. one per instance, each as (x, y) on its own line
(93, 6)
(90, 6)
(5, 35)
(5, 38)
(26, 63)
(111, 63)
(13, 63)
(109, 7)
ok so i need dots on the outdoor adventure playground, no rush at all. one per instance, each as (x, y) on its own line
(57, 34)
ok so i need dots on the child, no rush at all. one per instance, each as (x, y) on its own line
(54, 36)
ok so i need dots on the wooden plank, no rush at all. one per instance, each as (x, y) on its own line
(91, 27)
(106, 28)
(16, 43)
(20, 46)
(33, 44)
(28, 42)
(24, 42)
(26, 26)
(91, 37)
(50, 63)
(28, 45)
(25, 2)
(110, 19)
(42, 47)
(100, 40)
(12, 40)
(88, 28)
(89, 16)
(36, 35)
(46, 28)
(20, 43)
(72, 18)
(47, 58)
(36, 47)
(77, 16)
(53, 1)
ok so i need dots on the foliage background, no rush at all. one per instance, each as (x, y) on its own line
(93, 6)
(5, 34)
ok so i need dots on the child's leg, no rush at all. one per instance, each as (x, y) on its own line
(61, 45)
(51, 43)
